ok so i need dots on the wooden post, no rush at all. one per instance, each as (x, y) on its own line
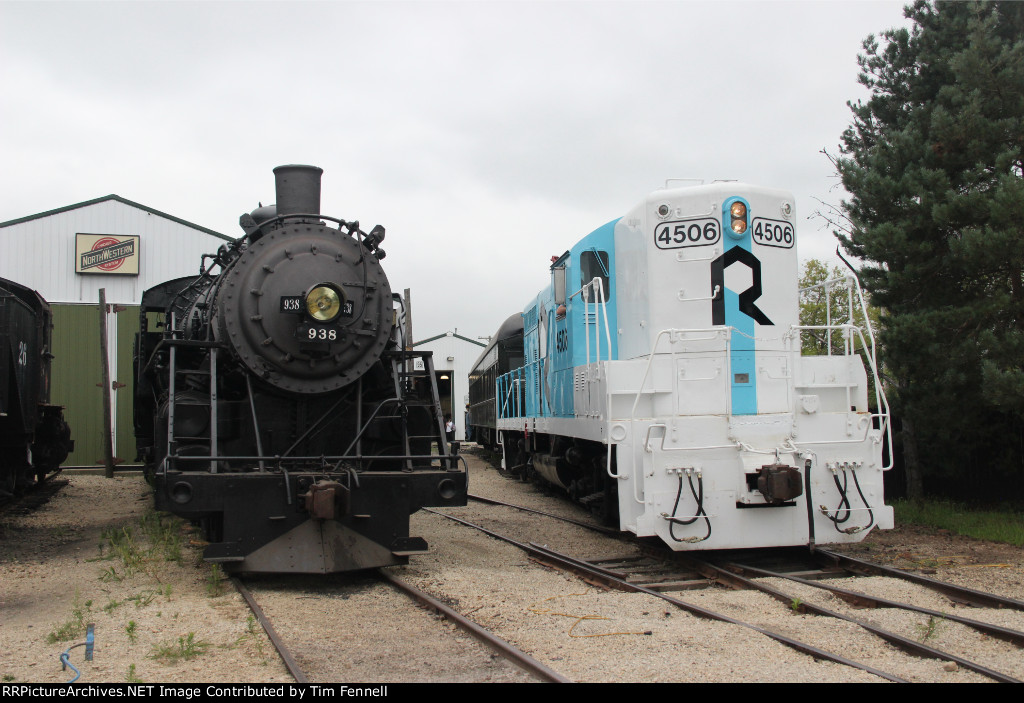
(408, 332)
(408, 320)
(108, 449)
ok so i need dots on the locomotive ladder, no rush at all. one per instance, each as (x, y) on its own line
(403, 380)
(210, 401)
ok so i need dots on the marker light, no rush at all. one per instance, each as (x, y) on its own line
(323, 303)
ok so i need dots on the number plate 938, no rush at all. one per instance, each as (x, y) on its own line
(312, 333)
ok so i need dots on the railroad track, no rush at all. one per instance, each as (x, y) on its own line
(500, 648)
(662, 572)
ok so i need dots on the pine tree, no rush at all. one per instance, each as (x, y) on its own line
(933, 162)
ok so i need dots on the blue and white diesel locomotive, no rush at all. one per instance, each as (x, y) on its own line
(664, 383)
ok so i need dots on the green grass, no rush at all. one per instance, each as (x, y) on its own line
(215, 583)
(73, 628)
(994, 525)
(186, 648)
(157, 537)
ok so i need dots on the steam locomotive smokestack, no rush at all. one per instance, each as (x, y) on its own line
(298, 189)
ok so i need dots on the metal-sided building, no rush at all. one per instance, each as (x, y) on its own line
(68, 255)
(453, 358)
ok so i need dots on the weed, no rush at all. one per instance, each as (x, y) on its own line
(215, 584)
(8, 677)
(131, 630)
(796, 605)
(144, 598)
(253, 633)
(164, 533)
(111, 575)
(131, 677)
(109, 607)
(156, 538)
(930, 628)
(74, 627)
(187, 647)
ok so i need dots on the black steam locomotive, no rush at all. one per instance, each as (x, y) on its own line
(275, 403)
(34, 438)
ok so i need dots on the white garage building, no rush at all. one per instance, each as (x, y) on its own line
(453, 358)
(68, 255)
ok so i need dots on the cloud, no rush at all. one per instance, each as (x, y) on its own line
(485, 136)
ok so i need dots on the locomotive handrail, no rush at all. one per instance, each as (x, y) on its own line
(714, 294)
(881, 401)
(675, 335)
(662, 425)
(512, 380)
(335, 458)
(600, 308)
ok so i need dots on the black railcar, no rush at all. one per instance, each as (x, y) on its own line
(275, 404)
(34, 438)
(504, 353)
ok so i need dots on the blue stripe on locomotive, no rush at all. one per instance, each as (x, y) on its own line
(744, 393)
(564, 346)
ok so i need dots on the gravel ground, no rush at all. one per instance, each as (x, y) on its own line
(55, 573)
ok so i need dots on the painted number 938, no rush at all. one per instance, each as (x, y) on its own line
(687, 233)
(322, 334)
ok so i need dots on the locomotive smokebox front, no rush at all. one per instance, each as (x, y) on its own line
(305, 307)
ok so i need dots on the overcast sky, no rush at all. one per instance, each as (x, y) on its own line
(485, 136)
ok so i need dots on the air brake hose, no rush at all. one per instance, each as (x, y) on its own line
(88, 644)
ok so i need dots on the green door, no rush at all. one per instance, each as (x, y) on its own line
(77, 374)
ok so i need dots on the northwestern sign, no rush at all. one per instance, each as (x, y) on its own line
(107, 254)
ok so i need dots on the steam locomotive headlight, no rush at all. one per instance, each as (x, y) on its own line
(323, 303)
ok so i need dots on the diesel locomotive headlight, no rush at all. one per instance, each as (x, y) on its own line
(738, 213)
(323, 303)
